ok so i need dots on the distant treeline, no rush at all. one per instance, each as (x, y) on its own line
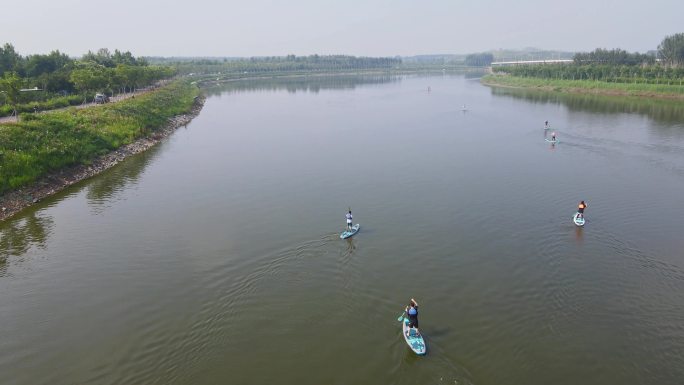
(312, 63)
(666, 66)
(479, 59)
(57, 75)
(614, 57)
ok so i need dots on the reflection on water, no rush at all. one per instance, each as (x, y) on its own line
(579, 235)
(17, 236)
(668, 112)
(312, 84)
(33, 227)
(351, 247)
(474, 74)
(104, 189)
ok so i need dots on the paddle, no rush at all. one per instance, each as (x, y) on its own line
(401, 317)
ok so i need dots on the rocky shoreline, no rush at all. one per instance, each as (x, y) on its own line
(14, 201)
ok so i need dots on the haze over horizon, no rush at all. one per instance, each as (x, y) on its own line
(354, 27)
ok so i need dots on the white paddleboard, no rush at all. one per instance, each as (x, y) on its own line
(354, 230)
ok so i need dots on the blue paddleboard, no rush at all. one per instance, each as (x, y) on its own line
(414, 340)
(354, 230)
(578, 221)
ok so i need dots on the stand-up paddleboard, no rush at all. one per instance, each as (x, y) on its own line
(551, 141)
(414, 340)
(547, 128)
(354, 230)
(579, 221)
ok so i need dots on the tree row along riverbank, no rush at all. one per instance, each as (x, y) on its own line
(44, 153)
(663, 91)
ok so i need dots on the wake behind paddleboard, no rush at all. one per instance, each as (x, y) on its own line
(354, 230)
(579, 221)
(414, 340)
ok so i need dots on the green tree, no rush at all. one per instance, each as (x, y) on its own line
(124, 58)
(124, 76)
(671, 50)
(37, 65)
(10, 84)
(102, 57)
(10, 60)
(89, 76)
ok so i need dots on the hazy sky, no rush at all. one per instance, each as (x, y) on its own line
(356, 27)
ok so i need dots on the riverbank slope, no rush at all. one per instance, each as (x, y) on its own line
(44, 153)
(662, 91)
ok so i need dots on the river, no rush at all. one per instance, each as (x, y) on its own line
(215, 257)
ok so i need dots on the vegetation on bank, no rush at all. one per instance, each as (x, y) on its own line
(41, 82)
(643, 89)
(49, 104)
(648, 74)
(289, 63)
(635, 71)
(41, 143)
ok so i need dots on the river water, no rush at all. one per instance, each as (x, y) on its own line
(215, 257)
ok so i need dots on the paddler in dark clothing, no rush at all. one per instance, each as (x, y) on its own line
(580, 209)
(412, 314)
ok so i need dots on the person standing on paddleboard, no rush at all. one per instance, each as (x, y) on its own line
(349, 220)
(553, 136)
(580, 209)
(546, 124)
(412, 314)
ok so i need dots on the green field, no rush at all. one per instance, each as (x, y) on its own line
(40, 143)
(588, 86)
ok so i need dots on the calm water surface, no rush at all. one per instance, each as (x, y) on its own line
(214, 258)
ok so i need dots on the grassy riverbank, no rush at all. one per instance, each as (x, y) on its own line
(587, 86)
(41, 143)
